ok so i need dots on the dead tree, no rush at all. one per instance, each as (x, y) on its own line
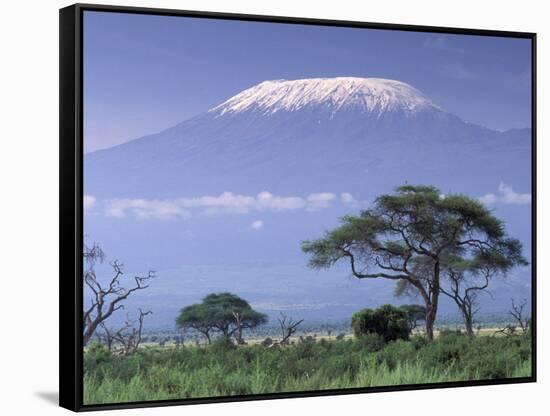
(288, 328)
(107, 336)
(129, 336)
(105, 298)
(517, 312)
(523, 323)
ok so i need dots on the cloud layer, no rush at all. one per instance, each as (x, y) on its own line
(225, 203)
(505, 195)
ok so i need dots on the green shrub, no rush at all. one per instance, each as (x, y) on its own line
(445, 352)
(97, 360)
(371, 342)
(267, 342)
(387, 321)
(97, 353)
(491, 358)
(419, 341)
(222, 344)
(397, 352)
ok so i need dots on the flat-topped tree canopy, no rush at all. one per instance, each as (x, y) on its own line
(223, 312)
(411, 235)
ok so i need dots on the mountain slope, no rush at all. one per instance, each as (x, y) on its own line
(293, 136)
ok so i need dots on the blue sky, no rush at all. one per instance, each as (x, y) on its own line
(145, 73)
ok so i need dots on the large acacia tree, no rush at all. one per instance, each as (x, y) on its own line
(409, 236)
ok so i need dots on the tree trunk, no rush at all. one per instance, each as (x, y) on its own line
(468, 323)
(431, 307)
(430, 320)
(89, 333)
(431, 311)
(469, 328)
(240, 339)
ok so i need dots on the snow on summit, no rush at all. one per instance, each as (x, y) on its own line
(375, 96)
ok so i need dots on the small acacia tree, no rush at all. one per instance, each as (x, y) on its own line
(407, 236)
(196, 317)
(225, 313)
(466, 279)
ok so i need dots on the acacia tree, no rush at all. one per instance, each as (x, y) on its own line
(464, 291)
(198, 318)
(246, 319)
(106, 298)
(406, 237)
(467, 279)
(225, 313)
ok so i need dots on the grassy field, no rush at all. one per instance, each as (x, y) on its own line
(223, 369)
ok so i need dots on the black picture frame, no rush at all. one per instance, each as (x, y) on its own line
(71, 202)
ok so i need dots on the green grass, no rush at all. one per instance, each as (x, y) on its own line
(224, 370)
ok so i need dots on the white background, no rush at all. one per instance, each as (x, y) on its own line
(29, 206)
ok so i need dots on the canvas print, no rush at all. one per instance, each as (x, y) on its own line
(278, 208)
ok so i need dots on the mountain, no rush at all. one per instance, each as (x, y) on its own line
(298, 136)
(372, 97)
(297, 155)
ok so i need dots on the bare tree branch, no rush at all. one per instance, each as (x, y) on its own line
(288, 328)
(106, 299)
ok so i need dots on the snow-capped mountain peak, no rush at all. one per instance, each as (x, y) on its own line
(374, 96)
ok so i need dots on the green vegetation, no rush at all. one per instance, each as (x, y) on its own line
(388, 321)
(418, 237)
(223, 368)
(428, 244)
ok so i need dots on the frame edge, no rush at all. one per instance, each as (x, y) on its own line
(70, 199)
(69, 162)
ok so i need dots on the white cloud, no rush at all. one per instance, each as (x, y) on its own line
(256, 225)
(88, 202)
(145, 209)
(319, 200)
(266, 200)
(505, 195)
(225, 203)
(349, 199)
(488, 199)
